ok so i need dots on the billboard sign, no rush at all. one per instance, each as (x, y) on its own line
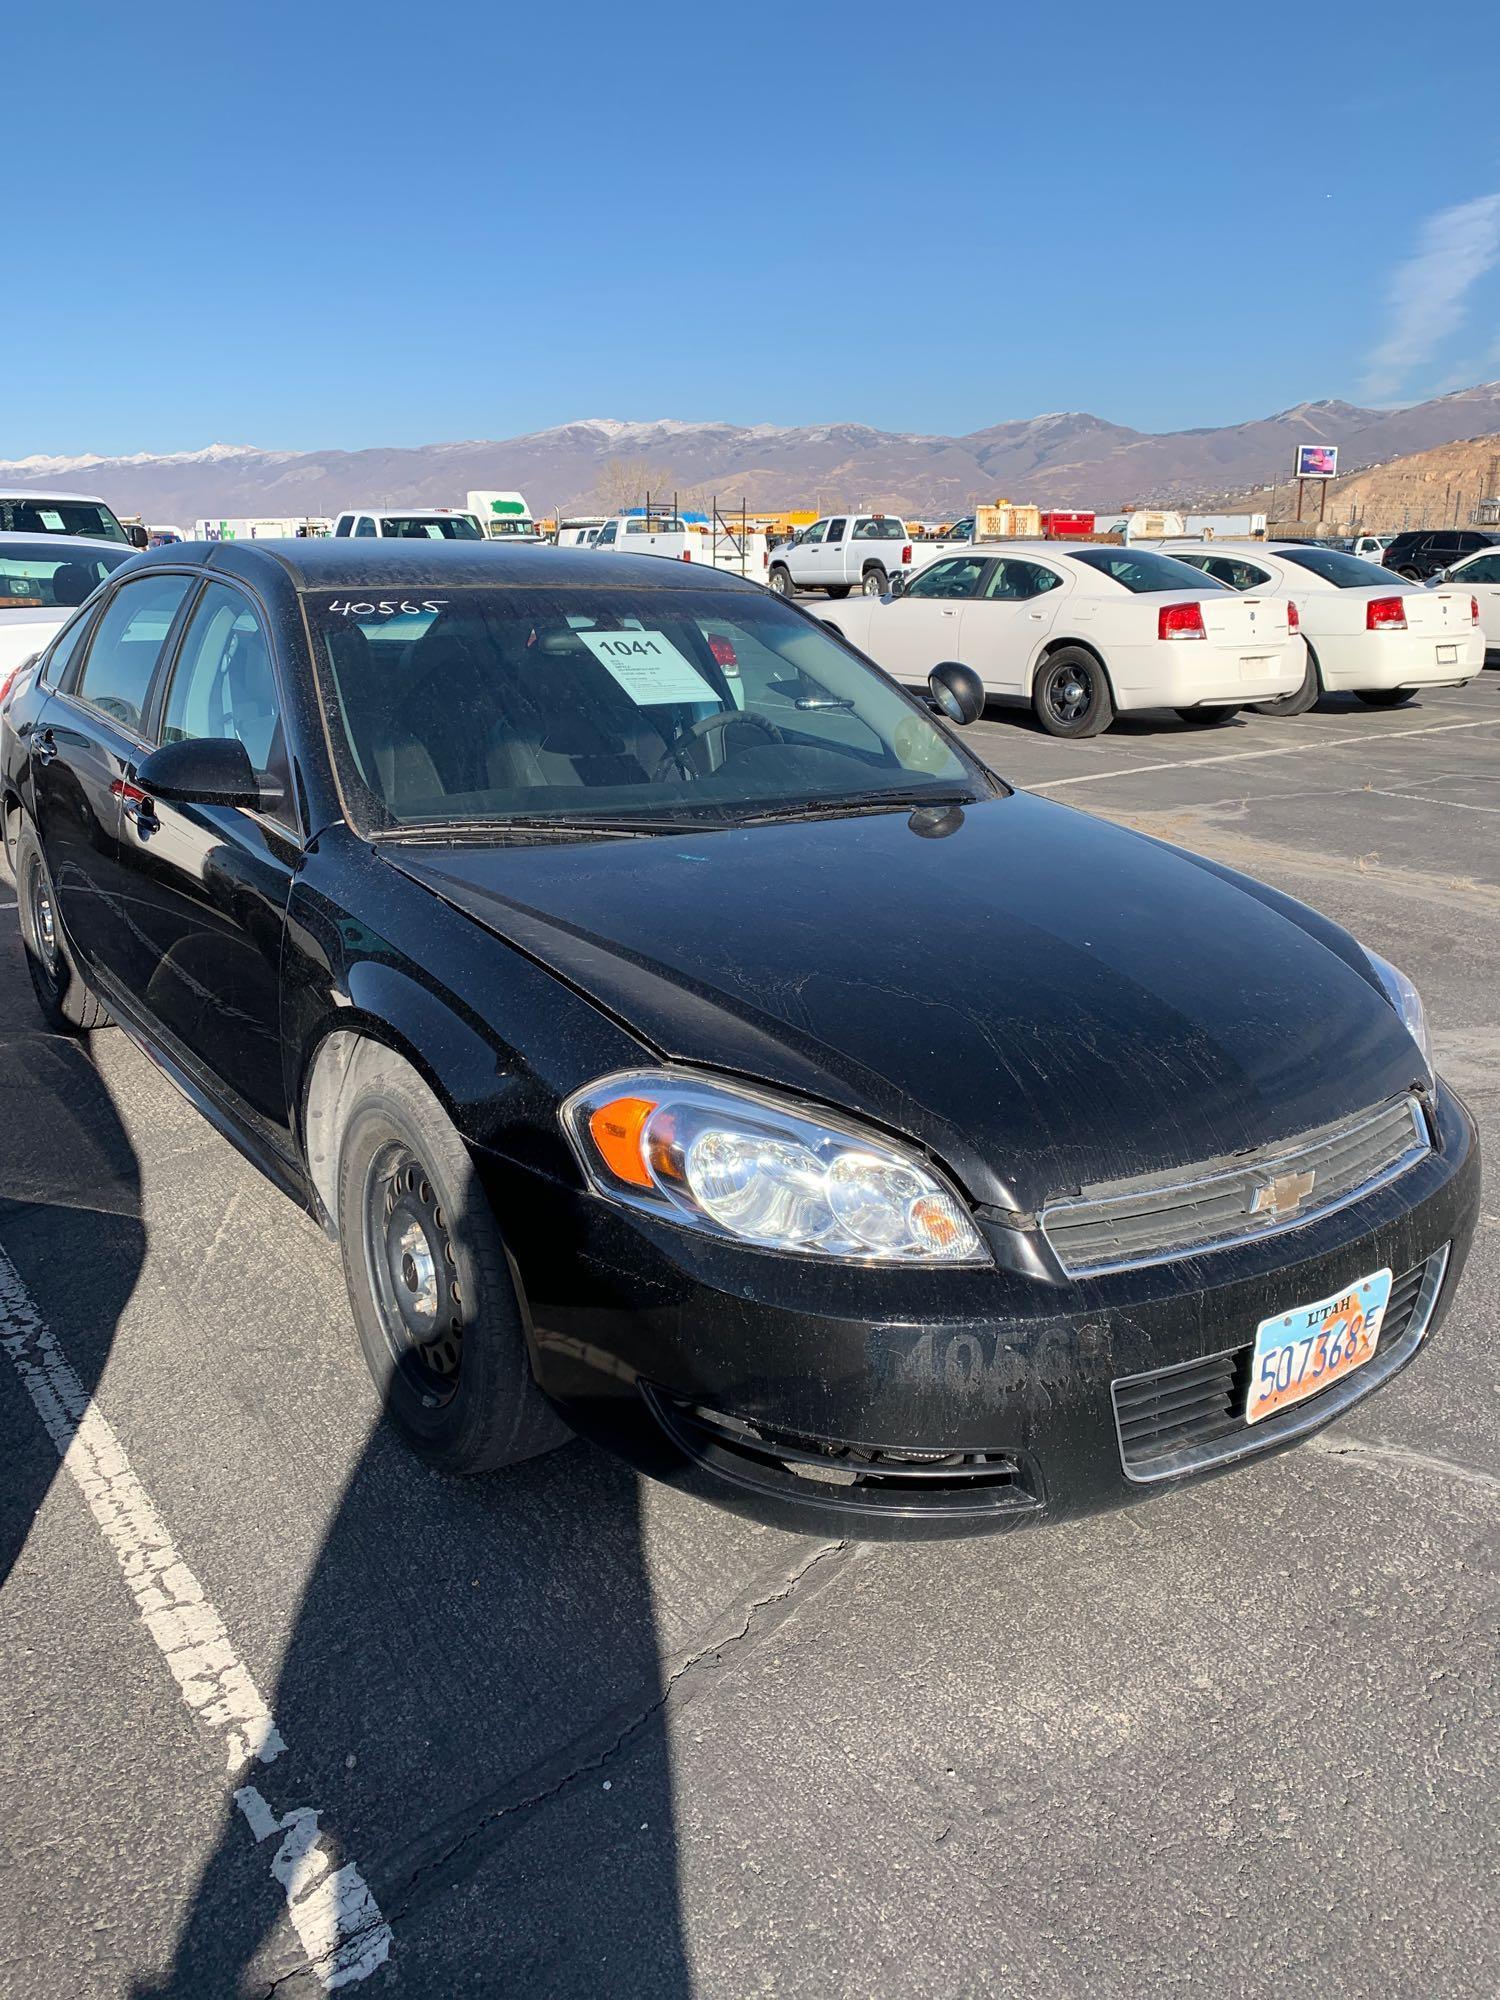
(1317, 461)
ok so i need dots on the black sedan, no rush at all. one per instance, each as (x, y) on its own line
(687, 1041)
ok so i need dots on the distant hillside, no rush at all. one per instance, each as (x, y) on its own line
(1066, 458)
(1423, 489)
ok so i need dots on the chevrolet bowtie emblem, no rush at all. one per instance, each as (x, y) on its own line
(1281, 1195)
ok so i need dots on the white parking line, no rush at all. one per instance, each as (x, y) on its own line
(1249, 756)
(336, 1917)
(1425, 799)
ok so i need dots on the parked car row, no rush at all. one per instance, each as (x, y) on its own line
(1205, 628)
(688, 1040)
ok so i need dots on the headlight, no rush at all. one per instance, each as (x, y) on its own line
(1406, 1000)
(763, 1170)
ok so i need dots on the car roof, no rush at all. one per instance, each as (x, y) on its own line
(32, 536)
(326, 563)
(51, 493)
(403, 507)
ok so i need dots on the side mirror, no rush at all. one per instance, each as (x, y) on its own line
(897, 585)
(957, 691)
(136, 535)
(204, 771)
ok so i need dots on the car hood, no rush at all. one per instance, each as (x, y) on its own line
(1041, 999)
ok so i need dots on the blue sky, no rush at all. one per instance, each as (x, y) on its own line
(342, 225)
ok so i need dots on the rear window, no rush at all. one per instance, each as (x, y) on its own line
(1141, 570)
(880, 528)
(1343, 572)
(43, 576)
(35, 514)
(431, 527)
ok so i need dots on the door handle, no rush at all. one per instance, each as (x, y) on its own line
(140, 811)
(45, 747)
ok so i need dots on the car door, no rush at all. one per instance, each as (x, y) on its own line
(828, 561)
(207, 886)
(802, 560)
(85, 740)
(910, 634)
(1482, 578)
(1012, 613)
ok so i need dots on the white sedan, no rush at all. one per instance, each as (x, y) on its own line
(1082, 633)
(1369, 632)
(43, 578)
(1479, 574)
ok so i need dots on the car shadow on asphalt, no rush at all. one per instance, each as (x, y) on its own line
(470, 1698)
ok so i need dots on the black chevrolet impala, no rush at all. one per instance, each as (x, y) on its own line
(687, 1041)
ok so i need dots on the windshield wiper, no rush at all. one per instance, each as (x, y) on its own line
(582, 828)
(860, 802)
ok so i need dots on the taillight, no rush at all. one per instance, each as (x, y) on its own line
(1385, 614)
(10, 679)
(687, 555)
(1473, 620)
(906, 553)
(765, 558)
(1293, 617)
(1180, 621)
(722, 650)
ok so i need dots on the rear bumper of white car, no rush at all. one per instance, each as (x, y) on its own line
(1399, 659)
(1193, 673)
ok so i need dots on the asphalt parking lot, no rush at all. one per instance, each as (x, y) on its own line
(561, 1733)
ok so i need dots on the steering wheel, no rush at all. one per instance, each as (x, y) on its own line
(678, 751)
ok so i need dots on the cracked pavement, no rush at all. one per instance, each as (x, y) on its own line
(584, 1736)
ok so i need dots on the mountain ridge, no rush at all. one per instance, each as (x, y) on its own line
(1059, 458)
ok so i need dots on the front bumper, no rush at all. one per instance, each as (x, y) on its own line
(925, 1403)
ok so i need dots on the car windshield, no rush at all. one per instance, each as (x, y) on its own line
(499, 530)
(1342, 571)
(36, 514)
(41, 576)
(431, 527)
(1142, 570)
(613, 708)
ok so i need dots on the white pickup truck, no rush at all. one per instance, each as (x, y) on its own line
(843, 552)
(683, 541)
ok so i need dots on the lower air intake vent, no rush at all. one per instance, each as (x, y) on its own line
(1182, 1419)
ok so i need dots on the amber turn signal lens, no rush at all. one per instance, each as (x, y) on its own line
(615, 1129)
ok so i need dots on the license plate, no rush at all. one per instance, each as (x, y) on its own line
(1447, 656)
(1254, 665)
(1300, 1352)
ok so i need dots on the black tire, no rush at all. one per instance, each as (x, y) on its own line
(67, 1005)
(1411, 575)
(1070, 695)
(780, 580)
(1301, 699)
(839, 589)
(1385, 697)
(874, 582)
(430, 1284)
(1210, 718)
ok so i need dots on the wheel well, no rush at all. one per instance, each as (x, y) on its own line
(874, 562)
(1082, 645)
(345, 1060)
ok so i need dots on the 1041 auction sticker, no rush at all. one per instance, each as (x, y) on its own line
(648, 666)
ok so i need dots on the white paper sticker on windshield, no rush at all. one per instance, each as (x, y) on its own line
(648, 666)
(51, 519)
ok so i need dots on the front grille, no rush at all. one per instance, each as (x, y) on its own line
(1147, 1220)
(1181, 1419)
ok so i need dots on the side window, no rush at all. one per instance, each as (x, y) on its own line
(223, 685)
(954, 576)
(813, 535)
(836, 531)
(345, 523)
(365, 526)
(127, 643)
(65, 650)
(1017, 580)
(1483, 569)
(607, 534)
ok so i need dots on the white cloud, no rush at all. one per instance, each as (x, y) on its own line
(1426, 297)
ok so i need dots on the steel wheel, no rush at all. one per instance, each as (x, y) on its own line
(412, 1272)
(874, 584)
(1068, 692)
(41, 920)
(781, 582)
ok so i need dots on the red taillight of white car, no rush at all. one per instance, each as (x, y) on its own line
(1180, 621)
(1385, 614)
(1293, 617)
(906, 553)
(1473, 616)
(10, 680)
(687, 555)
